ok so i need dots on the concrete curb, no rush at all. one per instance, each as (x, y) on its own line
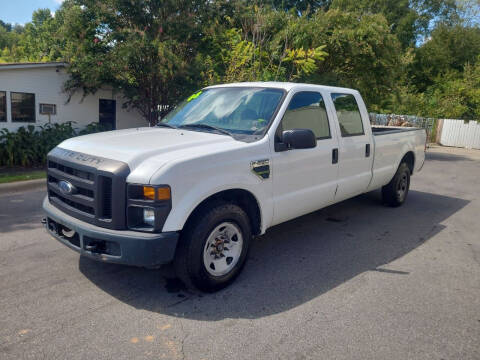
(19, 186)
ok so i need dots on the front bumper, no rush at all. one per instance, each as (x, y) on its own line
(116, 246)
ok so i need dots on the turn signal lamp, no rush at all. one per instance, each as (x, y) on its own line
(149, 192)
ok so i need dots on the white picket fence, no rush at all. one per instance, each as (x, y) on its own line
(459, 133)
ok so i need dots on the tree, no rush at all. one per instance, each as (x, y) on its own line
(9, 38)
(262, 48)
(408, 56)
(408, 19)
(449, 48)
(36, 41)
(363, 54)
(148, 50)
(457, 97)
(301, 5)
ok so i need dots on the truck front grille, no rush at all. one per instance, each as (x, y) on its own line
(83, 199)
(94, 185)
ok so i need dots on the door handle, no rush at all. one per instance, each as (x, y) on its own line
(367, 150)
(335, 156)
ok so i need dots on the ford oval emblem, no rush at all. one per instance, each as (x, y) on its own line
(66, 187)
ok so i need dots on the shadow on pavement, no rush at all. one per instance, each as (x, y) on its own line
(20, 211)
(294, 262)
(446, 157)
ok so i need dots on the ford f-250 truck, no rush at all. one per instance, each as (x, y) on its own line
(225, 165)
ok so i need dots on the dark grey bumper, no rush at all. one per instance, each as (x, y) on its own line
(117, 246)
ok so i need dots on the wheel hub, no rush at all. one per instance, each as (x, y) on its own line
(223, 249)
(220, 247)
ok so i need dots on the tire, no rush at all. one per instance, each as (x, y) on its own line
(395, 192)
(213, 247)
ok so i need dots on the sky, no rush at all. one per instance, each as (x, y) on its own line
(20, 11)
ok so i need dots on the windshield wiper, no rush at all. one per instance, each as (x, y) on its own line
(207, 127)
(167, 125)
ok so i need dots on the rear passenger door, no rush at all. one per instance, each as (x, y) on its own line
(304, 180)
(355, 150)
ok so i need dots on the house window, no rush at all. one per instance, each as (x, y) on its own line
(3, 106)
(23, 107)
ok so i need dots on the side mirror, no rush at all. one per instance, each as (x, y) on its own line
(297, 139)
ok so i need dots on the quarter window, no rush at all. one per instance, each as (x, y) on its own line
(348, 114)
(23, 107)
(3, 106)
(307, 111)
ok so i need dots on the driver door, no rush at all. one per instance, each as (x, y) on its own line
(304, 180)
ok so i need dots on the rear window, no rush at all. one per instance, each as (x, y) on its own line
(348, 114)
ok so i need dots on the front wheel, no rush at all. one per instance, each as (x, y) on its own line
(213, 247)
(396, 191)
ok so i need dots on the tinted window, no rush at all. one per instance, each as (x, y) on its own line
(23, 107)
(348, 114)
(3, 106)
(307, 111)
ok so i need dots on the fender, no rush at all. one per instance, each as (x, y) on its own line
(202, 175)
(405, 149)
(182, 209)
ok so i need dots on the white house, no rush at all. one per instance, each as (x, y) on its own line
(31, 94)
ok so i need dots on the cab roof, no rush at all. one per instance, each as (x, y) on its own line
(284, 85)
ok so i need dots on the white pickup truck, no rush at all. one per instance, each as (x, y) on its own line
(225, 165)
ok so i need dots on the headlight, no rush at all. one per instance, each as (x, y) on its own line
(148, 206)
(149, 216)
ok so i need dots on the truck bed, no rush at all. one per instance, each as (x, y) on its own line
(391, 143)
(383, 130)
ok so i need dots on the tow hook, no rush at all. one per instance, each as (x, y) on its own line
(51, 225)
(91, 247)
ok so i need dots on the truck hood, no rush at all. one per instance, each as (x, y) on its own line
(158, 145)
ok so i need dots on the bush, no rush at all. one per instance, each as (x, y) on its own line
(29, 146)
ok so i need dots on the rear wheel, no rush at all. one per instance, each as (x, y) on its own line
(396, 191)
(213, 247)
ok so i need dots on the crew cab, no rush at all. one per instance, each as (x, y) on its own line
(222, 167)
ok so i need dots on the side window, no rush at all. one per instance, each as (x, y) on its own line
(348, 114)
(307, 111)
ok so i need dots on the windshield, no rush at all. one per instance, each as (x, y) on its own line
(238, 110)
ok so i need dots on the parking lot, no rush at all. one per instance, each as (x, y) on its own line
(356, 280)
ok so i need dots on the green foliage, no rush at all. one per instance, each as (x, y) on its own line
(408, 19)
(304, 62)
(457, 95)
(264, 49)
(38, 40)
(147, 49)
(363, 54)
(29, 146)
(301, 5)
(12, 175)
(448, 49)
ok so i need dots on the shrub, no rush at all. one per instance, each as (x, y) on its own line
(29, 146)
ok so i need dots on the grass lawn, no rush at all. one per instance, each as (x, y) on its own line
(6, 177)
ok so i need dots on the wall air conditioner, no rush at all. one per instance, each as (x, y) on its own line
(48, 109)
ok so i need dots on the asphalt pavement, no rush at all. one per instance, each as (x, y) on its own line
(356, 280)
